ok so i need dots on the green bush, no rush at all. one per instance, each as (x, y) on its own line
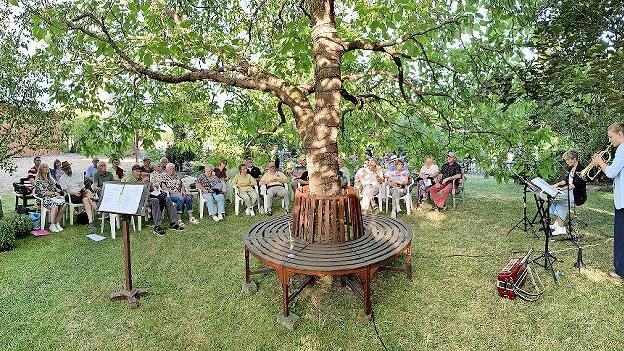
(21, 224)
(7, 236)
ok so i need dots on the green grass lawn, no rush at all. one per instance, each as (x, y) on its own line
(54, 290)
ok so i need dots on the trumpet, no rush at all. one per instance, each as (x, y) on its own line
(592, 170)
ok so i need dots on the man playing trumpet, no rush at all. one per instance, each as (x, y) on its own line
(615, 132)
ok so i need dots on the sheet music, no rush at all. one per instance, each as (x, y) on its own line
(545, 187)
(121, 198)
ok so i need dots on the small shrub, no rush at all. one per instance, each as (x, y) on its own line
(7, 236)
(21, 223)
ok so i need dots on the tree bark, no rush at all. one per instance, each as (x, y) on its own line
(320, 129)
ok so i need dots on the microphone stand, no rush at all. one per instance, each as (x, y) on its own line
(574, 238)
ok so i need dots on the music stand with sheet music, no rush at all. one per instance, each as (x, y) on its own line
(125, 200)
(524, 223)
(543, 195)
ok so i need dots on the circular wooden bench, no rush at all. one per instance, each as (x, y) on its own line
(382, 240)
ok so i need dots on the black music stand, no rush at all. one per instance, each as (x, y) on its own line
(546, 259)
(524, 223)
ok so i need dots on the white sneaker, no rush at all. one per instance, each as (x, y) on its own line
(251, 212)
(221, 216)
(559, 231)
(247, 211)
(59, 228)
(194, 220)
(53, 228)
(215, 218)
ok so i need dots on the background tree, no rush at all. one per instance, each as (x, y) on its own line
(26, 123)
(577, 75)
(415, 68)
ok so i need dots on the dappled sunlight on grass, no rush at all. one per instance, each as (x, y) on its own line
(599, 276)
(598, 210)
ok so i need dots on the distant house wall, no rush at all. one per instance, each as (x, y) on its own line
(28, 138)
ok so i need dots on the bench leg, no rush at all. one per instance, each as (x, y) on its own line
(408, 262)
(284, 278)
(247, 272)
(365, 276)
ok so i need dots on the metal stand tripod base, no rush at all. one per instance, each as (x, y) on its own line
(546, 260)
(130, 296)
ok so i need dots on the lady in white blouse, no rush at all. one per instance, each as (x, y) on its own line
(427, 174)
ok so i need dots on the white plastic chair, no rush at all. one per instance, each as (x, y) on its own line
(263, 192)
(43, 212)
(70, 208)
(238, 199)
(407, 198)
(115, 223)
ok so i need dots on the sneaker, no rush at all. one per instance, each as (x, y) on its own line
(92, 226)
(53, 228)
(158, 231)
(176, 227)
(221, 216)
(251, 212)
(553, 226)
(269, 213)
(58, 227)
(247, 212)
(194, 220)
(181, 225)
(215, 218)
(559, 231)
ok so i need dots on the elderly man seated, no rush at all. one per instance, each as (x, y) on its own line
(368, 180)
(276, 183)
(73, 184)
(102, 175)
(449, 173)
(158, 201)
(299, 174)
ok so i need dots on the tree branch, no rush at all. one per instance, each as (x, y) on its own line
(365, 44)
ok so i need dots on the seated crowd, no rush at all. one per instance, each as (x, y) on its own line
(169, 194)
(430, 181)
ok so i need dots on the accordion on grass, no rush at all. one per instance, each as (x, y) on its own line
(512, 278)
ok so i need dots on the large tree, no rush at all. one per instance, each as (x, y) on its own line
(318, 58)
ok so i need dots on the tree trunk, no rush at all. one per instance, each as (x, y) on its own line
(320, 135)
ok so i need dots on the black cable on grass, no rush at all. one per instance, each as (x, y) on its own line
(376, 330)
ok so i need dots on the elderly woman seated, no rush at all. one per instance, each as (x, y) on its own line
(397, 182)
(245, 184)
(368, 179)
(428, 172)
(51, 198)
(172, 184)
(276, 185)
(212, 189)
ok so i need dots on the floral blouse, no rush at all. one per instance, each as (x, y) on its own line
(173, 183)
(43, 186)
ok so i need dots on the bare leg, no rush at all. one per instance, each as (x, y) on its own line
(59, 214)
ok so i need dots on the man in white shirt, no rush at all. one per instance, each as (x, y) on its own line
(368, 180)
(73, 184)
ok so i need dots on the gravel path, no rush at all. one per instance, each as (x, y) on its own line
(79, 163)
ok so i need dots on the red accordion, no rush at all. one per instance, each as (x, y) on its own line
(513, 276)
